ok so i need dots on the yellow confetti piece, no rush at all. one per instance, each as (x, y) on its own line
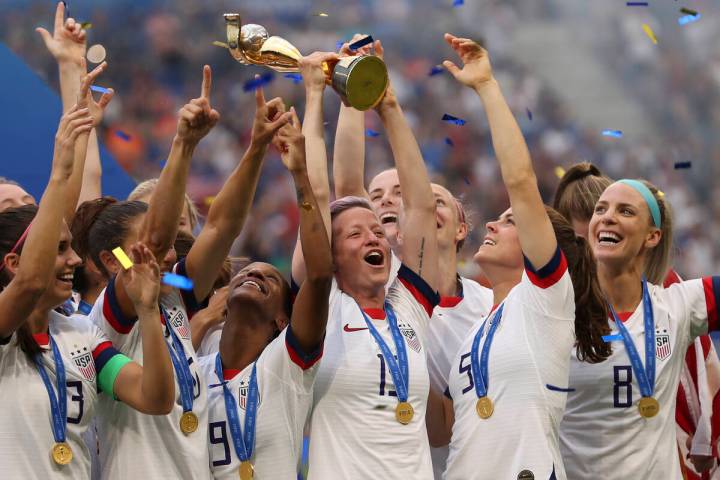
(648, 31)
(661, 194)
(209, 200)
(559, 172)
(306, 206)
(220, 44)
(86, 25)
(122, 257)
(321, 14)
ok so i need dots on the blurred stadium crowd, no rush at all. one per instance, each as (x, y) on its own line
(157, 67)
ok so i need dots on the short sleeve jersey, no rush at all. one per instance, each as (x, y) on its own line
(354, 433)
(26, 430)
(285, 377)
(528, 370)
(129, 439)
(602, 427)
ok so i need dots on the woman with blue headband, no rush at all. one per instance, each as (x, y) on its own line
(620, 418)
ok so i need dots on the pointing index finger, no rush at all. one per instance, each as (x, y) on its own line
(59, 16)
(206, 83)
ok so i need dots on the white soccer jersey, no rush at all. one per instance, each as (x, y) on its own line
(528, 371)
(602, 433)
(285, 378)
(26, 433)
(134, 445)
(210, 343)
(354, 433)
(449, 326)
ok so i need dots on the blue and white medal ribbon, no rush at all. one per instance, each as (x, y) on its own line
(399, 369)
(648, 405)
(188, 420)
(244, 444)
(61, 451)
(479, 365)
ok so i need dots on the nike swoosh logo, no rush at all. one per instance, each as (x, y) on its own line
(348, 328)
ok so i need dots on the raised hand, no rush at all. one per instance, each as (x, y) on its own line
(269, 118)
(75, 122)
(476, 70)
(67, 42)
(290, 141)
(366, 50)
(197, 117)
(142, 280)
(85, 98)
(311, 68)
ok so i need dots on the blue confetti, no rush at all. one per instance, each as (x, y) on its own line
(679, 165)
(295, 77)
(339, 44)
(458, 3)
(529, 114)
(612, 338)
(613, 133)
(436, 70)
(96, 88)
(255, 83)
(361, 43)
(455, 120)
(684, 20)
(636, 4)
(372, 133)
(466, 180)
(122, 135)
(178, 281)
(448, 141)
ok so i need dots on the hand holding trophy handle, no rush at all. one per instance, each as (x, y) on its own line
(360, 81)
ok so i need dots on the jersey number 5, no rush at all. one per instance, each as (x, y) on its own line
(622, 389)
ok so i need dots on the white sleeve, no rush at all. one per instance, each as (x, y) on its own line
(548, 290)
(697, 301)
(410, 295)
(285, 362)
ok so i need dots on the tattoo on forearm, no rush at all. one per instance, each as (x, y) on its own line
(422, 253)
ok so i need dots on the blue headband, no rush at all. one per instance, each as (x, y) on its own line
(650, 199)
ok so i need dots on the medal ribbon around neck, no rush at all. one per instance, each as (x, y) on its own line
(645, 376)
(181, 366)
(399, 369)
(479, 363)
(244, 444)
(58, 404)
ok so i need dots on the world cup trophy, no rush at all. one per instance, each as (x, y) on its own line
(360, 81)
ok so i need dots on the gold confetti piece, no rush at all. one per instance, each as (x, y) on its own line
(661, 194)
(306, 206)
(122, 257)
(648, 31)
(209, 200)
(220, 44)
(86, 25)
(96, 53)
(559, 172)
(321, 14)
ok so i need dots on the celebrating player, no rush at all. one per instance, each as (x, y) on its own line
(260, 383)
(372, 384)
(52, 368)
(509, 380)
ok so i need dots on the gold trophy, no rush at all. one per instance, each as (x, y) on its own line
(360, 81)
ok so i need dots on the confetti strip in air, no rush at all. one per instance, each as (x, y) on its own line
(451, 119)
(86, 25)
(681, 165)
(122, 257)
(372, 133)
(612, 133)
(295, 77)
(648, 31)
(361, 43)
(321, 14)
(123, 135)
(177, 281)
(559, 172)
(255, 83)
(96, 88)
(458, 3)
(529, 114)
(220, 44)
(448, 141)
(689, 11)
(689, 19)
(636, 4)
(436, 70)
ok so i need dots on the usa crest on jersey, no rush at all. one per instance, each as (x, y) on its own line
(410, 336)
(243, 394)
(662, 344)
(176, 320)
(84, 362)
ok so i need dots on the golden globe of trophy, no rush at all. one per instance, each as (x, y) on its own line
(360, 81)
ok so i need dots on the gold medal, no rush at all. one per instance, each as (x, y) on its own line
(246, 470)
(484, 408)
(404, 413)
(188, 423)
(649, 407)
(62, 453)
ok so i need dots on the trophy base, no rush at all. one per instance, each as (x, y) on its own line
(360, 81)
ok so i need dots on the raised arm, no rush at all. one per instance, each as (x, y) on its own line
(231, 206)
(418, 225)
(33, 271)
(67, 44)
(149, 388)
(349, 150)
(310, 310)
(313, 129)
(535, 231)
